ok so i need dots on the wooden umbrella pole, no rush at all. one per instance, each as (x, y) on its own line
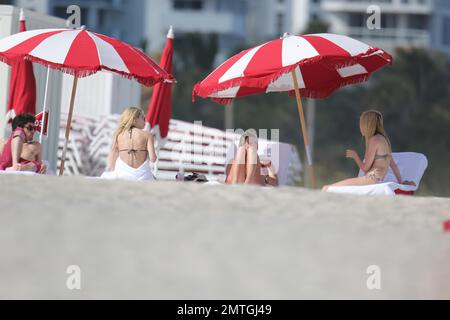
(68, 126)
(312, 174)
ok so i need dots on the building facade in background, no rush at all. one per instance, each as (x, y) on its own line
(144, 23)
(225, 18)
(121, 19)
(440, 26)
(404, 23)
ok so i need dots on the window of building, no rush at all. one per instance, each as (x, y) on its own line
(356, 20)
(446, 31)
(388, 21)
(236, 6)
(418, 21)
(188, 4)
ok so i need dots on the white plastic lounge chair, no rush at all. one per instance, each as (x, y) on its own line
(412, 167)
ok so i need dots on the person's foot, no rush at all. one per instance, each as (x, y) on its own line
(17, 167)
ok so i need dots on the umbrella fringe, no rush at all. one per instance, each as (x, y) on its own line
(333, 62)
(321, 94)
(85, 72)
(307, 93)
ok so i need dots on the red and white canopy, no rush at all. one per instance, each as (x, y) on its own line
(323, 63)
(81, 53)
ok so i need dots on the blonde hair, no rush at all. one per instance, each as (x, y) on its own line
(126, 122)
(372, 124)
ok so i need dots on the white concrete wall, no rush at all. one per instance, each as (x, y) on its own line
(34, 5)
(262, 19)
(300, 15)
(5, 30)
(9, 24)
(101, 94)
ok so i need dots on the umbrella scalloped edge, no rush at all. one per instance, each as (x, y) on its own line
(264, 81)
(85, 72)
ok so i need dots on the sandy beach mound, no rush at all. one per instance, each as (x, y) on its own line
(185, 241)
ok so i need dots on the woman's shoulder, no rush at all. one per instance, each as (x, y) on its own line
(378, 138)
(142, 133)
(19, 133)
(379, 142)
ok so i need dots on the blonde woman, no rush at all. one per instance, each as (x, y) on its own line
(246, 167)
(378, 158)
(132, 149)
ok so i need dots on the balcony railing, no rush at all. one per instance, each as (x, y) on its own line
(387, 6)
(391, 37)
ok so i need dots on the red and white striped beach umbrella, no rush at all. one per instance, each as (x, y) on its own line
(310, 65)
(81, 53)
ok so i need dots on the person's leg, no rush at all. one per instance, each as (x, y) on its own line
(252, 168)
(361, 181)
(236, 174)
(23, 167)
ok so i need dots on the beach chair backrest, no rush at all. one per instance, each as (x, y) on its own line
(412, 167)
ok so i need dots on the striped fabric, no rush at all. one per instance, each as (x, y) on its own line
(81, 53)
(323, 63)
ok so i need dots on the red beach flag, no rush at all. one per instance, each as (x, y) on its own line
(22, 90)
(160, 109)
(39, 118)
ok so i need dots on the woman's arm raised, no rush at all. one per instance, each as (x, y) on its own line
(369, 157)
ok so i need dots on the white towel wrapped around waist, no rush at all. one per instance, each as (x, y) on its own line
(123, 171)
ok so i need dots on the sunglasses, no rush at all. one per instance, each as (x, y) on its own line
(31, 128)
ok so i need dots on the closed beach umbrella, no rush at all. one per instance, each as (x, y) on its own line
(81, 53)
(160, 108)
(22, 87)
(312, 66)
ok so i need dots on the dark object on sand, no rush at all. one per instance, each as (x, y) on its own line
(195, 177)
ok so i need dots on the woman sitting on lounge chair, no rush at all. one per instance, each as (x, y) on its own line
(132, 149)
(247, 167)
(378, 158)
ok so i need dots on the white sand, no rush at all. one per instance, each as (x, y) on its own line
(185, 241)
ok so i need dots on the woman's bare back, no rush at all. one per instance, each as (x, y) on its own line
(383, 156)
(133, 147)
